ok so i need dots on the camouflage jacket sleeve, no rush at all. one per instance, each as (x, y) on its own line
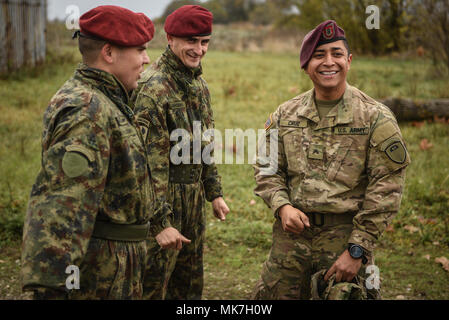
(152, 119)
(386, 162)
(270, 169)
(65, 199)
(210, 177)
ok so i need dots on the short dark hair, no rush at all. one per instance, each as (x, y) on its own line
(90, 48)
(347, 46)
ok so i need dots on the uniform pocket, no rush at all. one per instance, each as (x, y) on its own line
(118, 289)
(347, 165)
(294, 150)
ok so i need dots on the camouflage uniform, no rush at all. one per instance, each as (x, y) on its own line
(94, 173)
(345, 171)
(331, 290)
(171, 96)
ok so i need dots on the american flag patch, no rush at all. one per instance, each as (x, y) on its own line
(269, 122)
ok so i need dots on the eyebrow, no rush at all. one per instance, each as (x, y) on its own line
(196, 39)
(332, 49)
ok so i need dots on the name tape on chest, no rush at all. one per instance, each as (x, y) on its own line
(351, 130)
(293, 123)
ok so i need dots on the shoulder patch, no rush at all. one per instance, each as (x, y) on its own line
(74, 164)
(269, 122)
(144, 127)
(395, 150)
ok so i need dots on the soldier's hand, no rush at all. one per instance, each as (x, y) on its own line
(171, 238)
(220, 208)
(293, 220)
(345, 268)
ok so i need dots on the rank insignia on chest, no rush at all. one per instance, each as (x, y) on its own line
(316, 152)
(269, 122)
(351, 130)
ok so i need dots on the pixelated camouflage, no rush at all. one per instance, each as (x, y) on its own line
(173, 274)
(172, 96)
(352, 162)
(94, 167)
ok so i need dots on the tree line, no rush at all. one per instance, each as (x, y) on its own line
(421, 25)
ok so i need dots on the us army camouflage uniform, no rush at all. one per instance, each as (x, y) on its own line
(172, 96)
(346, 170)
(94, 168)
(331, 290)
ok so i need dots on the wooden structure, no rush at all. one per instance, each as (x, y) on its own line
(22, 33)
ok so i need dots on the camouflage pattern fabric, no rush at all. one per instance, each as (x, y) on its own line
(331, 290)
(171, 96)
(94, 167)
(350, 162)
(173, 274)
(293, 259)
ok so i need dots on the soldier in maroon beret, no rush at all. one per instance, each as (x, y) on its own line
(171, 96)
(114, 39)
(189, 30)
(87, 220)
(339, 178)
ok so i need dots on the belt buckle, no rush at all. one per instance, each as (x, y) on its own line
(321, 219)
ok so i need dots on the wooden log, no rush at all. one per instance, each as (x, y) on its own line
(416, 110)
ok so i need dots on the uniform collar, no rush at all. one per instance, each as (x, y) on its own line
(340, 114)
(99, 78)
(108, 84)
(176, 65)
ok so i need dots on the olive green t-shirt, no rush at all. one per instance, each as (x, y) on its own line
(324, 106)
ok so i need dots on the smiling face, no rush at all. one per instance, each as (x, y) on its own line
(190, 50)
(328, 68)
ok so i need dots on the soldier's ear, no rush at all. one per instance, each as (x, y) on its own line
(169, 39)
(305, 69)
(107, 53)
(349, 61)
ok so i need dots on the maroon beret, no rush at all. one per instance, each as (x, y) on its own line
(189, 20)
(326, 32)
(117, 25)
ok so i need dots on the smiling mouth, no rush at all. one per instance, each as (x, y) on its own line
(328, 73)
(193, 56)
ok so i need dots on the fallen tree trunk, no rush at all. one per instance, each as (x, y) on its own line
(415, 110)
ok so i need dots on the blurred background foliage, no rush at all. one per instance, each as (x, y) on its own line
(418, 28)
(405, 25)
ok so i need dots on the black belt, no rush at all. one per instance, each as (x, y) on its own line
(120, 232)
(185, 173)
(329, 219)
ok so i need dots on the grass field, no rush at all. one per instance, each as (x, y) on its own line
(245, 88)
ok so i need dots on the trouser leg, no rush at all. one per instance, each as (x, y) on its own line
(186, 280)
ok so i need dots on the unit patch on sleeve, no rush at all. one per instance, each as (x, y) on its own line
(396, 152)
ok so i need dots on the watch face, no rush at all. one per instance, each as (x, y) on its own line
(356, 252)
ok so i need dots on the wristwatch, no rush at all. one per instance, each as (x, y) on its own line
(357, 252)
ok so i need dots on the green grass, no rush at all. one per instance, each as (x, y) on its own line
(245, 89)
